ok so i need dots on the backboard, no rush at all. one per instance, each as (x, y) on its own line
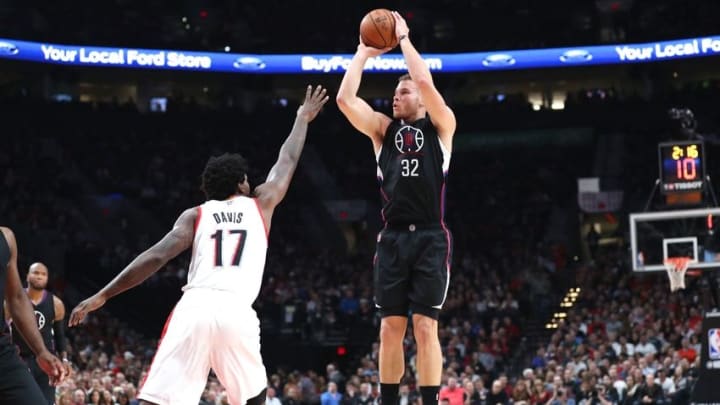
(694, 233)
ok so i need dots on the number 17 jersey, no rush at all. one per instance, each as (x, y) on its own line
(229, 248)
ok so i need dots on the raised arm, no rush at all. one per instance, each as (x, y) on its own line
(357, 111)
(23, 315)
(270, 193)
(441, 115)
(148, 262)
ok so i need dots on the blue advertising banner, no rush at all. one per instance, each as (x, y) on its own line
(80, 55)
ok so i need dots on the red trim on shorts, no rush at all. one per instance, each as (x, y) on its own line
(267, 231)
(162, 335)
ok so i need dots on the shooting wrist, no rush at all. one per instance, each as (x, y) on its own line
(403, 36)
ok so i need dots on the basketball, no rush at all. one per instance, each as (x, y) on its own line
(377, 29)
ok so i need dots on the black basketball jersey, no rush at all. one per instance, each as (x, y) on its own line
(412, 170)
(44, 316)
(4, 259)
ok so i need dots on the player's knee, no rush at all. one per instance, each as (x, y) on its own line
(258, 400)
(391, 331)
(425, 330)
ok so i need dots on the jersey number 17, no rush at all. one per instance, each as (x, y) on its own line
(218, 236)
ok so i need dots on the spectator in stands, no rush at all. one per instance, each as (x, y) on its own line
(453, 392)
(331, 396)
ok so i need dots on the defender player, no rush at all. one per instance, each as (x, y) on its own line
(17, 385)
(49, 314)
(214, 325)
(413, 255)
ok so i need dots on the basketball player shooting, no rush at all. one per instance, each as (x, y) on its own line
(214, 325)
(413, 253)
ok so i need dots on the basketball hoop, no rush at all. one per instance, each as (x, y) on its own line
(676, 268)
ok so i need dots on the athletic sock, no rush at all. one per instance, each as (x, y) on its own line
(430, 394)
(389, 393)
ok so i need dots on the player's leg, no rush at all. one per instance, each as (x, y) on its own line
(235, 355)
(42, 380)
(180, 368)
(391, 297)
(429, 283)
(17, 385)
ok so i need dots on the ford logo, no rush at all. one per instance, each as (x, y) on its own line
(576, 56)
(6, 48)
(249, 63)
(498, 59)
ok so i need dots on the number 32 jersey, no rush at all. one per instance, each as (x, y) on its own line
(229, 248)
(412, 170)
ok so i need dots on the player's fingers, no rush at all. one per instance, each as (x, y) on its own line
(321, 94)
(318, 90)
(76, 317)
(308, 92)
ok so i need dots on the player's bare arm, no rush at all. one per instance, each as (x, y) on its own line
(356, 110)
(271, 192)
(441, 115)
(147, 263)
(23, 316)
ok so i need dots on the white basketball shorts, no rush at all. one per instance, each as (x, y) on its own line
(207, 329)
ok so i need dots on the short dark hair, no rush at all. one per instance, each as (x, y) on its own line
(222, 174)
(406, 76)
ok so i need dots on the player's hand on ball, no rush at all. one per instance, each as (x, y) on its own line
(314, 101)
(82, 309)
(401, 27)
(370, 51)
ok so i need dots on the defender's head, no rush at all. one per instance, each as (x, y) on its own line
(225, 176)
(407, 103)
(37, 277)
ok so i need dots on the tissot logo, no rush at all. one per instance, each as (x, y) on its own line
(409, 139)
(249, 63)
(6, 48)
(498, 59)
(576, 56)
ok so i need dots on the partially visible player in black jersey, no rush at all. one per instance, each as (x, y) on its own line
(49, 314)
(16, 383)
(412, 263)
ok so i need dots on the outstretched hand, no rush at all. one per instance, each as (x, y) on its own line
(82, 309)
(314, 101)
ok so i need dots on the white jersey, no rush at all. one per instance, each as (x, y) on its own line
(229, 248)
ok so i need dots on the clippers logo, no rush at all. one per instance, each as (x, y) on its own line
(576, 56)
(498, 59)
(249, 63)
(6, 48)
(40, 318)
(714, 344)
(409, 139)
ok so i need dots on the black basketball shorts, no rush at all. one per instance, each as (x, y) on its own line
(412, 270)
(17, 386)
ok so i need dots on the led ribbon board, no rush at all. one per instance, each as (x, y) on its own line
(80, 55)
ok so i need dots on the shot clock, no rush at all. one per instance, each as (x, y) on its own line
(682, 166)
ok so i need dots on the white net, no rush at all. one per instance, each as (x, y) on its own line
(676, 268)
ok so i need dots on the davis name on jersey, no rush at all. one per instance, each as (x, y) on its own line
(229, 248)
